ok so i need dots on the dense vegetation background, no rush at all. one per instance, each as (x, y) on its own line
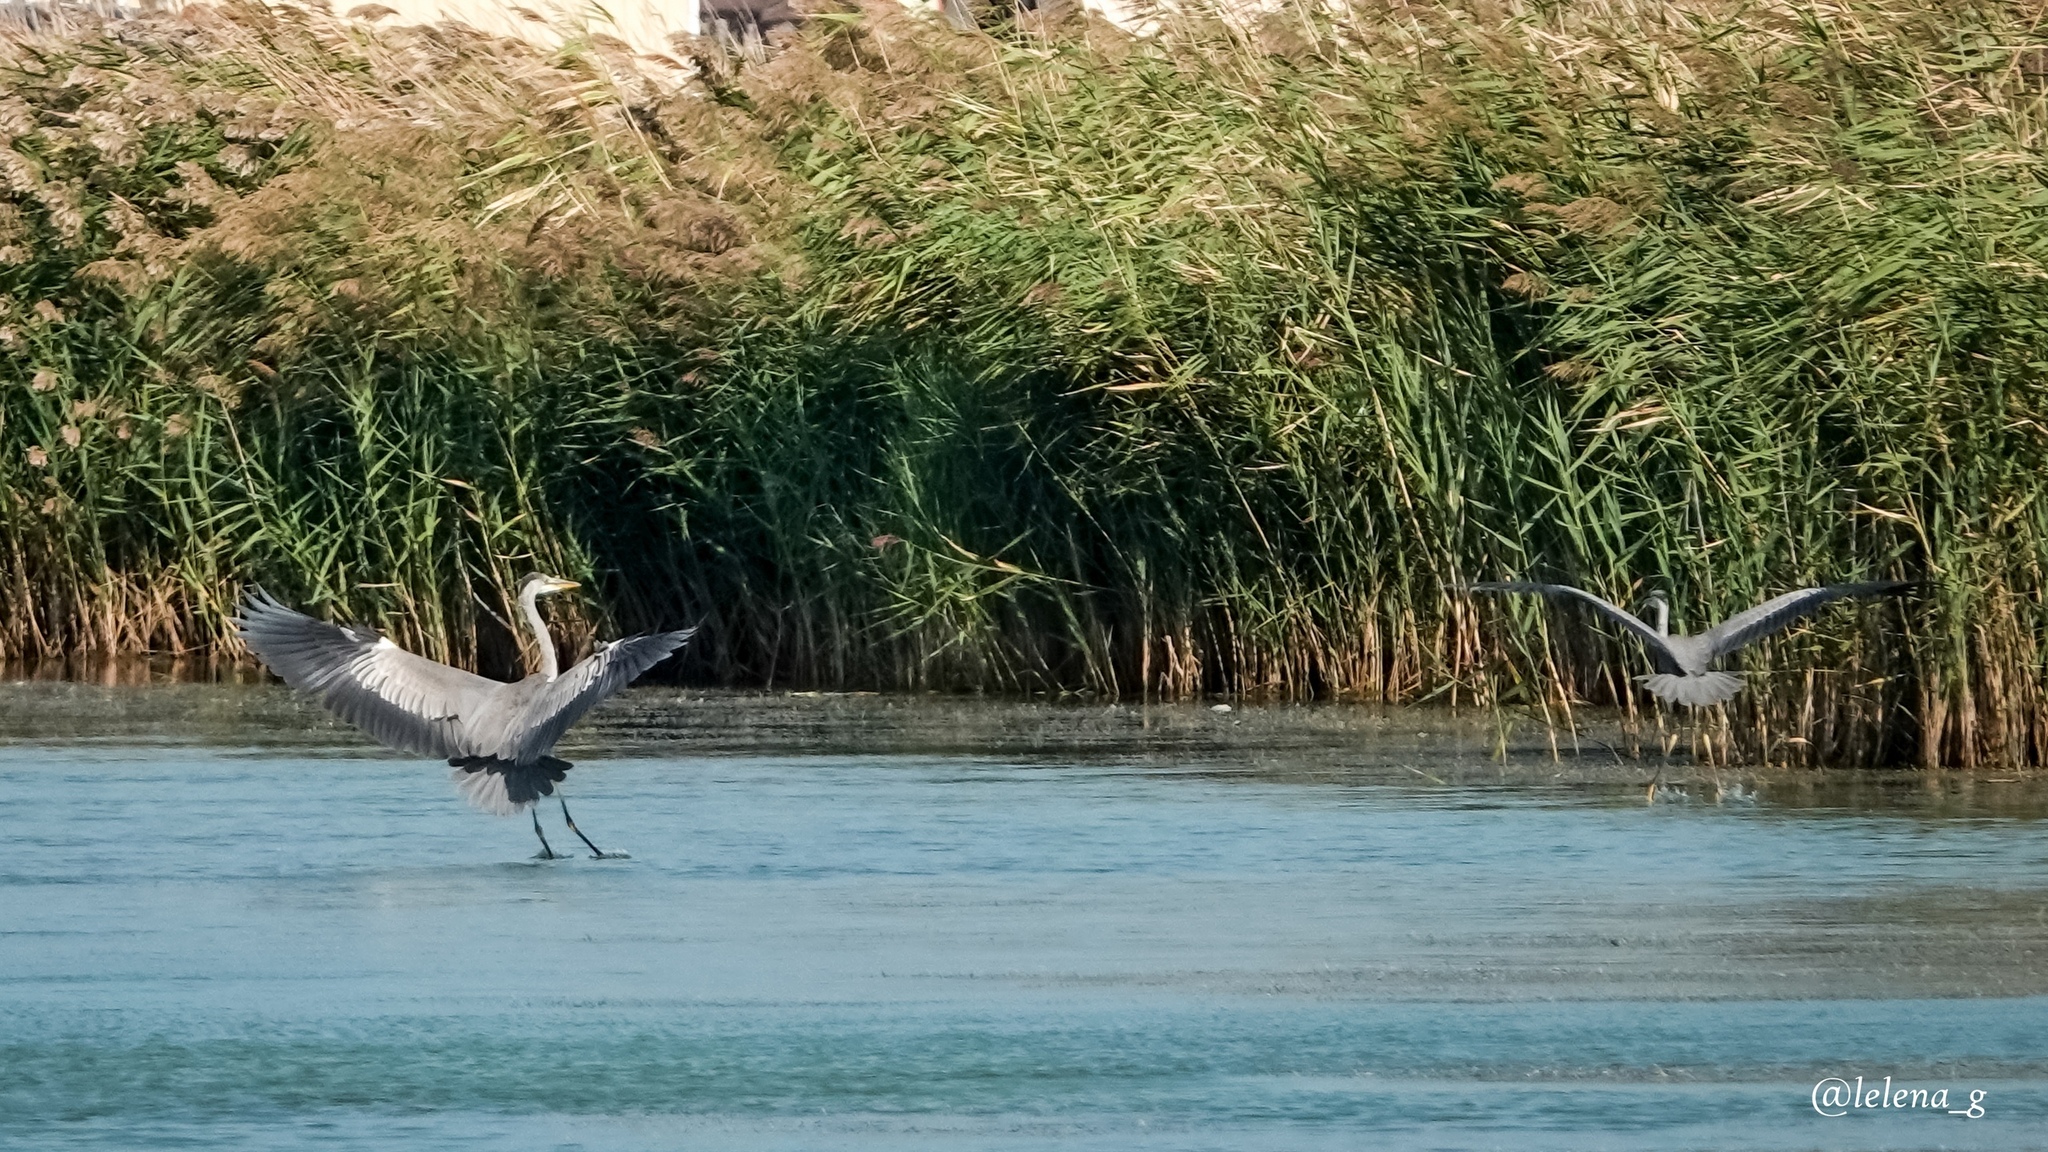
(1050, 358)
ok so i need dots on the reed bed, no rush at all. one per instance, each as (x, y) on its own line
(1047, 358)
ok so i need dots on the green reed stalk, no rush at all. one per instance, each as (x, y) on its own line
(1049, 359)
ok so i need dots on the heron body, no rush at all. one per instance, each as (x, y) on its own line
(497, 737)
(1683, 665)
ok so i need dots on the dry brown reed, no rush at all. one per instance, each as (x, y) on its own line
(1051, 358)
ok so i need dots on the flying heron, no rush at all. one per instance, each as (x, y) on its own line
(496, 736)
(1683, 663)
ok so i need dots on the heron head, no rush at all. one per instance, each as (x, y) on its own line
(1662, 607)
(537, 584)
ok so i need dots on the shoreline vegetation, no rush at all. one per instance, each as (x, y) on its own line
(1046, 358)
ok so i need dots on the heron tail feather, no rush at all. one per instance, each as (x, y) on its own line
(503, 788)
(1696, 690)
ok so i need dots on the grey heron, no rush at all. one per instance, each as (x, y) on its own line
(496, 736)
(1684, 664)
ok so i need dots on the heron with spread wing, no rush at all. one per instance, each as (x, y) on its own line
(1684, 672)
(496, 736)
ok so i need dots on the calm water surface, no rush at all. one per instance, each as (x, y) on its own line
(875, 923)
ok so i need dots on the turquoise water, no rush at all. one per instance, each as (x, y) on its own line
(886, 923)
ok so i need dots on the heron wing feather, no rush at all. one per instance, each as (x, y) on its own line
(404, 701)
(558, 705)
(1660, 651)
(1747, 627)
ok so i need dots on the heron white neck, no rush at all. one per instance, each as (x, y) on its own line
(541, 639)
(1663, 616)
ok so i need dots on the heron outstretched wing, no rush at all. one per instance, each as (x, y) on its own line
(405, 701)
(600, 675)
(1746, 627)
(1661, 654)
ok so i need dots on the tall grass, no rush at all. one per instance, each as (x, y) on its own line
(1051, 359)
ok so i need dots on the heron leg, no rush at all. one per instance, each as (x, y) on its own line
(546, 853)
(596, 852)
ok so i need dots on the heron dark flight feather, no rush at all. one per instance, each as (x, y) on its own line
(1684, 672)
(497, 736)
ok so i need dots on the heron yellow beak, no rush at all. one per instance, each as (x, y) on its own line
(563, 585)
